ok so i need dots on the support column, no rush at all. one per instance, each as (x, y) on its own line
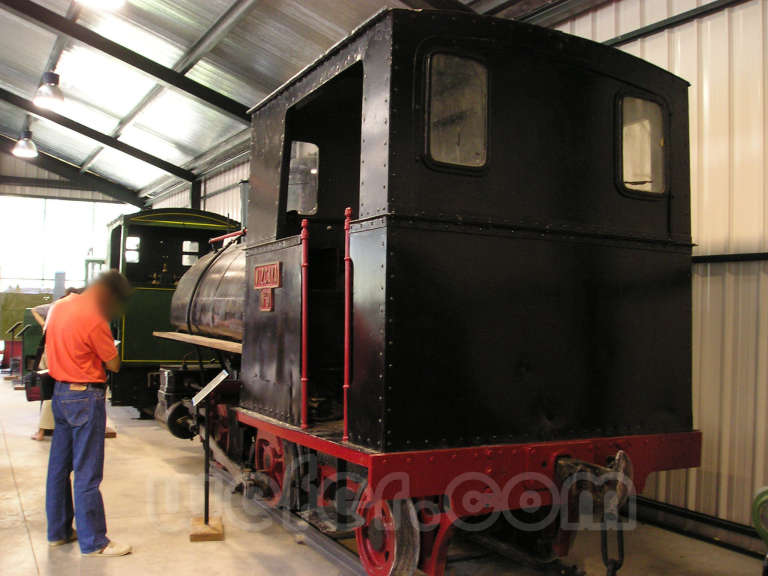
(194, 194)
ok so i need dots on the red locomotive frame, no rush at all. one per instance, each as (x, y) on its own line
(430, 473)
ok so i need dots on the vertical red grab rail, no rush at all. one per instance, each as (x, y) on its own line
(347, 318)
(304, 321)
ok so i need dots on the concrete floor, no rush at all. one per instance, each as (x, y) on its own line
(153, 487)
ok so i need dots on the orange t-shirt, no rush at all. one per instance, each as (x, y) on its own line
(78, 340)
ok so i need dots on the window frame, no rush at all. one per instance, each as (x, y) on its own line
(289, 146)
(136, 250)
(426, 110)
(619, 145)
(184, 253)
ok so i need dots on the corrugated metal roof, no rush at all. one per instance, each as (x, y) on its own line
(58, 6)
(24, 49)
(276, 40)
(59, 141)
(125, 169)
(92, 76)
(11, 122)
(178, 23)
(271, 42)
(196, 126)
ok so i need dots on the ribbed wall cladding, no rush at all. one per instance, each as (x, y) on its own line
(725, 58)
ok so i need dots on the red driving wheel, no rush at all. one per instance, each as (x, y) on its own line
(388, 540)
(270, 461)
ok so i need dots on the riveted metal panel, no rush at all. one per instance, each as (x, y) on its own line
(369, 45)
(516, 337)
(272, 339)
(368, 394)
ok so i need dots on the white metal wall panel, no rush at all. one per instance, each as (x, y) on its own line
(176, 199)
(725, 58)
(730, 396)
(10, 166)
(221, 193)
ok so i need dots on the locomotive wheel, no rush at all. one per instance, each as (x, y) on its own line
(388, 541)
(273, 461)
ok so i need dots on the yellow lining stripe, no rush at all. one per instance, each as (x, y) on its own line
(189, 224)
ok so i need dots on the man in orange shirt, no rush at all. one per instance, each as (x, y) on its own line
(79, 345)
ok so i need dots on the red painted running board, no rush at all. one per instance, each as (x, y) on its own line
(513, 468)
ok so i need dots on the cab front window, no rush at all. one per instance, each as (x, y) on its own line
(642, 146)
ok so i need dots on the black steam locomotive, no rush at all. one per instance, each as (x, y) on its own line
(465, 284)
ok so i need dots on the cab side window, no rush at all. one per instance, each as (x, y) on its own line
(132, 249)
(190, 252)
(642, 146)
(457, 126)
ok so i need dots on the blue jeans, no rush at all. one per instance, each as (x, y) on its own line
(77, 445)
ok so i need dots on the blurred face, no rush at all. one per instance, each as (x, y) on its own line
(109, 305)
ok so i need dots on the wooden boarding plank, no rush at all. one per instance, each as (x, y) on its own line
(215, 343)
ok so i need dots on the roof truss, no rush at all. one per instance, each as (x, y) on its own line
(58, 24)
(105, 139)
(85, 181)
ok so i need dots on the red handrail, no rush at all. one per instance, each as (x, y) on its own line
(230, 235)
(347, 318)
(304, 321)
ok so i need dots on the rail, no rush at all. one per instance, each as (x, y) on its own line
(304, 322)
(347, 318)
(234, 234)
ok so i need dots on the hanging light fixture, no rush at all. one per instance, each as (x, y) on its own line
(25, 147)
(103, 4)
(49, 94)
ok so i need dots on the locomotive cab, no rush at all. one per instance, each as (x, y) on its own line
(521, 224)
(468, 257)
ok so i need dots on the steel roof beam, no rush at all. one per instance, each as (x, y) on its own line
(539, 12)
(105, 139)
(86, 181)
(73, 13)
(45, 183)
(192, 56)
(553, 13)
(43, 196)
(215, 34)
(672, 21)
(59, 24)
(437, 5)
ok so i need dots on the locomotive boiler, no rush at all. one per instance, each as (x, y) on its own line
(465, 283)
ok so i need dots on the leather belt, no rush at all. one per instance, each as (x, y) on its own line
(85, 385)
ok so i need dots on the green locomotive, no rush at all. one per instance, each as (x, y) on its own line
(154, 248)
